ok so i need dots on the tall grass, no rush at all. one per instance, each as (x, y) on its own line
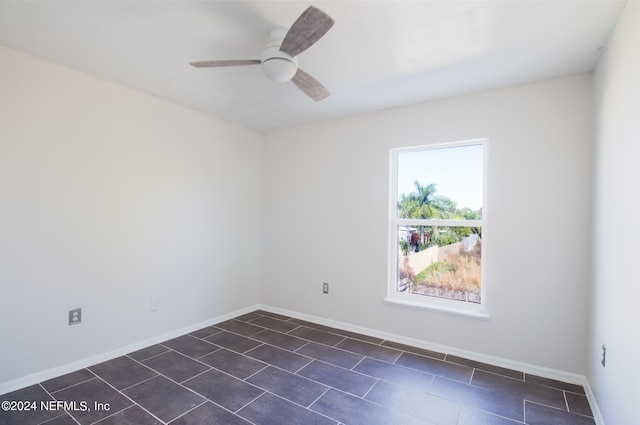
(458, 272)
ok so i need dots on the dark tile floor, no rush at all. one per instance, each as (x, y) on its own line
(267, 369)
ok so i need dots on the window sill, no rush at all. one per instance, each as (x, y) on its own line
(474, 313)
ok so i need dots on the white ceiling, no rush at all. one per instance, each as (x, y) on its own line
(378, 55)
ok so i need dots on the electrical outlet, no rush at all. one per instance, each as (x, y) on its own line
(75, 316)
(154, 304)
(325, 288)
(604, 356)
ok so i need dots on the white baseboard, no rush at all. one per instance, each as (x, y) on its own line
(496, 361)
(34, 378)
(544, 372)
(559, 375)
(597, 415)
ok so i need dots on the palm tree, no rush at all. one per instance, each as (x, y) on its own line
(423, 204)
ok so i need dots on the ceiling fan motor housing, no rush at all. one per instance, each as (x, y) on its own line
(276, 64)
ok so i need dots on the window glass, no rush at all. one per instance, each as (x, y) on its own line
(437, 223)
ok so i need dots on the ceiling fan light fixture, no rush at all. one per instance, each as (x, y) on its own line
(276, 64)
(279, 69)
(280, 56)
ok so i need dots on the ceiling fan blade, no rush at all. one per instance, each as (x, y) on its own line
(306, 30)
(232, 62)
(310, 86)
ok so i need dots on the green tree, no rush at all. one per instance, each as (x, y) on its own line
(422, 203)
(466, 214)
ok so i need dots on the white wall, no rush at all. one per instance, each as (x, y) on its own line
(109, 197)
(325, 219)
(615, 317)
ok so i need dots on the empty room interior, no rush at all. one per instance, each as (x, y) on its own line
(174, 224)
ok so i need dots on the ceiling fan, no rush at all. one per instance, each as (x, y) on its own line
(279, 57)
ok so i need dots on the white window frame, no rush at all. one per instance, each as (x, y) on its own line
(425, 301)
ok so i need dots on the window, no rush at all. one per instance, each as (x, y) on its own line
(437, 227)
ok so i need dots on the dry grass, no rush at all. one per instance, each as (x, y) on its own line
(459, 272)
